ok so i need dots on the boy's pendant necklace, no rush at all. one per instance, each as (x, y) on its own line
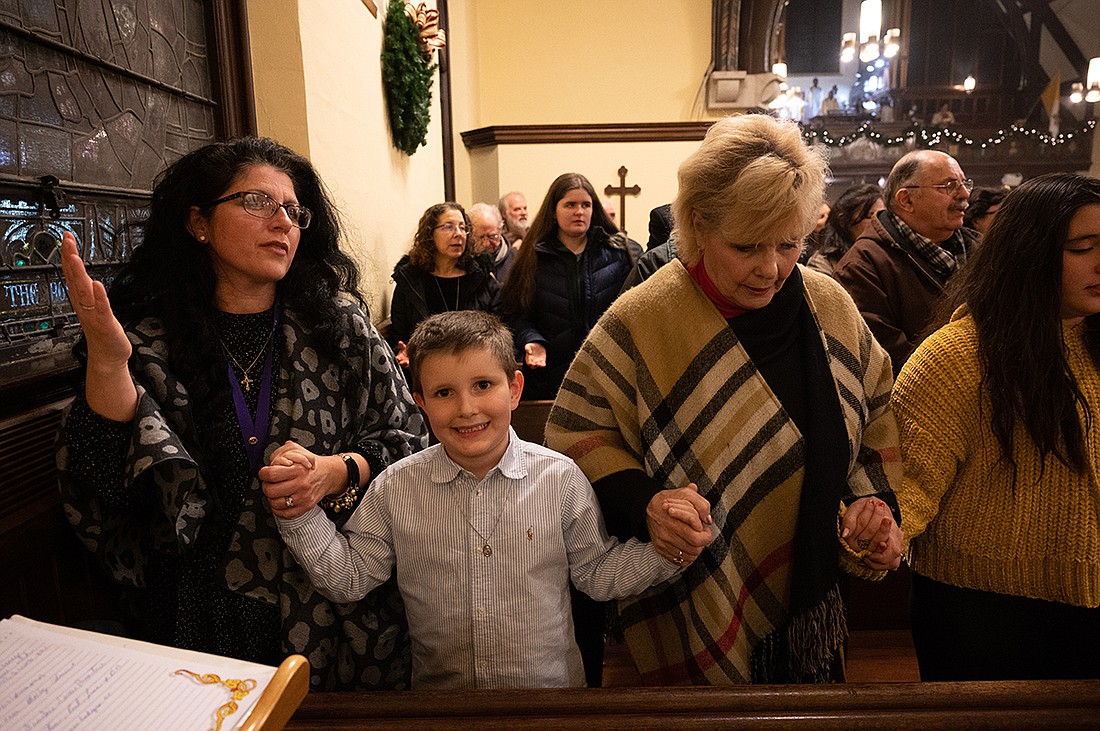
(486, 548)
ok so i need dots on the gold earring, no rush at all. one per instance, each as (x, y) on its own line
(202, 237)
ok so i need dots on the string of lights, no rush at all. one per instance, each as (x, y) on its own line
(930, 137)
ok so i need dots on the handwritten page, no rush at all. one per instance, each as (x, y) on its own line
(59, 678)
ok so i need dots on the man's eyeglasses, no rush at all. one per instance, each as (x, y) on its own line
(262, 205)
(951, 187)
(494, 237)
(450, 228)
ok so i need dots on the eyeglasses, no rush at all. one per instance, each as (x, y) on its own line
(951, 187)
(450, 228)
(490, 237)
(262, 205)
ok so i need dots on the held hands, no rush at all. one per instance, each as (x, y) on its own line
(679, 524)
(868, 525)
(297, 479)
(534, 355)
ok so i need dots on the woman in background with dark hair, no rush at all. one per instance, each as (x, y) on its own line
(233, 375)
(999, 413)
(844, 225)
(569, 269)
(983, 204)
(441, 273)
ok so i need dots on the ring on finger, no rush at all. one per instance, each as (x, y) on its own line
(289, 501)
(864, 543)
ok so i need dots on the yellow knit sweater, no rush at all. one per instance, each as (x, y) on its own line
(964, 524)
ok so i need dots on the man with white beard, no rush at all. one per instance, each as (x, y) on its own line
(513, 209)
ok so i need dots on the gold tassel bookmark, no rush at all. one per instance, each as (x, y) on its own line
(239, 689)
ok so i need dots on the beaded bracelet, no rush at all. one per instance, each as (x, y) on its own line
(347, 499)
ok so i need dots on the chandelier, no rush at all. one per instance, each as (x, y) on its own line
(872, 43)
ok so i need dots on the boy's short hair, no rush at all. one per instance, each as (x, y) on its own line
(455, 332)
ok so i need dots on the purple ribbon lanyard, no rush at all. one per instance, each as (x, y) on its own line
(253, 434)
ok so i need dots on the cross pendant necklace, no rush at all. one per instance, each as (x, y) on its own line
(246, 381)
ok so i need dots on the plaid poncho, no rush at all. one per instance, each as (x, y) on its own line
(661, 385)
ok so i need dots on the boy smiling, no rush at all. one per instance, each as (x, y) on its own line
(487, 528)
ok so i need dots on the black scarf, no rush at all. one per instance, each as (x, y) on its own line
(784, 342)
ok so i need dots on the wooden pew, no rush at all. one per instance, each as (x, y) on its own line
(529, 420)
(1016, 704)
(45, 573)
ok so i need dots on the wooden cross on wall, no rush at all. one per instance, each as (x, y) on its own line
(622, 191)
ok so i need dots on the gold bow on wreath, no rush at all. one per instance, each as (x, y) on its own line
(427, 20)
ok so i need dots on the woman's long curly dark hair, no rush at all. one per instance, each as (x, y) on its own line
(1013, 289)
(517, 296)
(853, 205)
(422, 252)
(171, 276)
(979, 203)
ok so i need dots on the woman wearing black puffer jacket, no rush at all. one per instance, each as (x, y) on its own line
(569, 269)
(439, 274)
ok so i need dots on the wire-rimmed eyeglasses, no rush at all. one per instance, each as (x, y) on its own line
(261, 205)
(951, 187)
(450, 228)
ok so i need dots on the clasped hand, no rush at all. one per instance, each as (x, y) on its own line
(297, 479)
(868, 525)
(679, 524)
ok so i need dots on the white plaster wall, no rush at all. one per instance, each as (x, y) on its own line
(379, 190)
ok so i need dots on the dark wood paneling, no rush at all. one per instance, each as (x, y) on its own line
(26, 451)
(529, 420)
(537, 134)
(44, 571)
(231, 64)
(1032, 705)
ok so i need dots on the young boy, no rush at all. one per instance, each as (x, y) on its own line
(485, 527)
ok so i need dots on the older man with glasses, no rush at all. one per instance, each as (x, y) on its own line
(897, 270)
(488, 238)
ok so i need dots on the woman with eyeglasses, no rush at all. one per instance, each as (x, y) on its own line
(231, 377)
(441, 273)
(999, 413)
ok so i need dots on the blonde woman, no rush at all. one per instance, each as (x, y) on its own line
(738, 380)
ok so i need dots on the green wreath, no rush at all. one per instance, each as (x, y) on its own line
(406, 78)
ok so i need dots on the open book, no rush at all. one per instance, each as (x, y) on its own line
(54, 677)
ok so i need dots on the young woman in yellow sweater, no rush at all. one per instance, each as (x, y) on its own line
(1000, 432)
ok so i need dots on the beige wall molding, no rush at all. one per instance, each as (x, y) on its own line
(535, 134)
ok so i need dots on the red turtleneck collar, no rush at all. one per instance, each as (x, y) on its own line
(726, 309)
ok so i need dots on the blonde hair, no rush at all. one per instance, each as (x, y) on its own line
(753, 180)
